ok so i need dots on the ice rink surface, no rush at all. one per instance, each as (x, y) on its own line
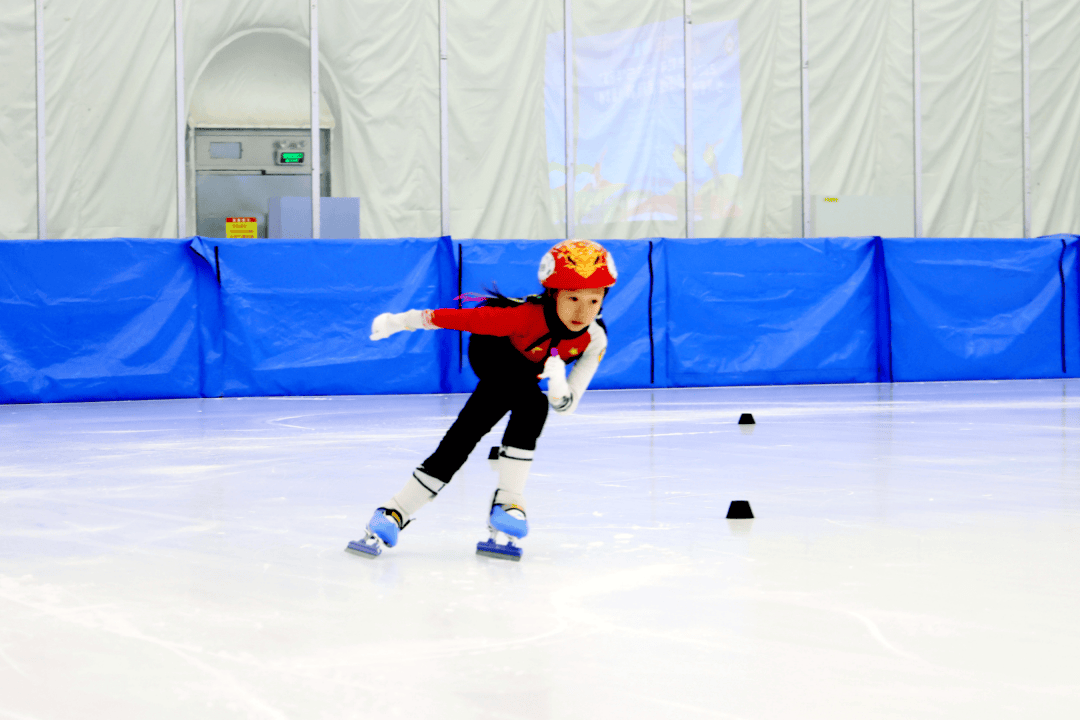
(916, 554)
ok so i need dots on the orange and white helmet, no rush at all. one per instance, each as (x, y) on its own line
(577, 265)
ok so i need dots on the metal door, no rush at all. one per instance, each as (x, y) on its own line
(237, 171)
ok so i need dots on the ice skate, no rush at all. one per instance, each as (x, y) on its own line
(509, 522)
(382, 529)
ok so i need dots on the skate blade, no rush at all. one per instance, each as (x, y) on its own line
(363, 549)
(492, 549)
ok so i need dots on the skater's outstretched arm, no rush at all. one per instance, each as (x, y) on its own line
(481, 320)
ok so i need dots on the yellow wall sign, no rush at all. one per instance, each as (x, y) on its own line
(241, 227)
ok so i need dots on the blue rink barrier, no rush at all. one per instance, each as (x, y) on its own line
(125, 319)
(983, 309)
(98, 320)
(294, 315)
(769, 311)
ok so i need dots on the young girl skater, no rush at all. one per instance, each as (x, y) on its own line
(511, 349)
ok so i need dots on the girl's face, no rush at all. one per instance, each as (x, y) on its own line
(578, 308)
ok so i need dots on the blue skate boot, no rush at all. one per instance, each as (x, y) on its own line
(507, 520)
(383, 528)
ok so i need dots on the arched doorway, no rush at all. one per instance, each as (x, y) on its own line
(249, 131)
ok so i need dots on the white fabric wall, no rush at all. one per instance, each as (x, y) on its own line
(109, 110)
(499, 184)
(18, 122)
(111, 134)
(972, 129)
(385, 56)
(1055, 116)
(760, 202)
(109, 106)
(861, 140)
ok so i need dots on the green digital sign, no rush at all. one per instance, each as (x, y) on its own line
(292, 158)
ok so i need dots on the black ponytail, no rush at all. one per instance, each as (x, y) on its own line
(495, 298)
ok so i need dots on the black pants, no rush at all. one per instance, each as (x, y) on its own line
(503, 387)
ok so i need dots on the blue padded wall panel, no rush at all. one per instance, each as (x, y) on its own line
(628, 362)
(966, 309)
(772, 311)
(508, 266)
(296, 315)
(511, 267)
(138, 319)
(97, 320)
(1070, 272)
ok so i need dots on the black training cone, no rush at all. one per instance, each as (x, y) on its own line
(493, 453)
(739, 510)
(746, 419)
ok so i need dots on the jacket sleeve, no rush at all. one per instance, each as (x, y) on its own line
(584, 369)
(481, 320)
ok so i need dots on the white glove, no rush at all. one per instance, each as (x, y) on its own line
(387, 324)
(555, 372)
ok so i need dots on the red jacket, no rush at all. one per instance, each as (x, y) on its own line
(524, 324)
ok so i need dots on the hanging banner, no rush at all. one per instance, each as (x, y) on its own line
(630, 136)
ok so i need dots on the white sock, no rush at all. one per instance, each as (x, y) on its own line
(514, 466)
(420, 489)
